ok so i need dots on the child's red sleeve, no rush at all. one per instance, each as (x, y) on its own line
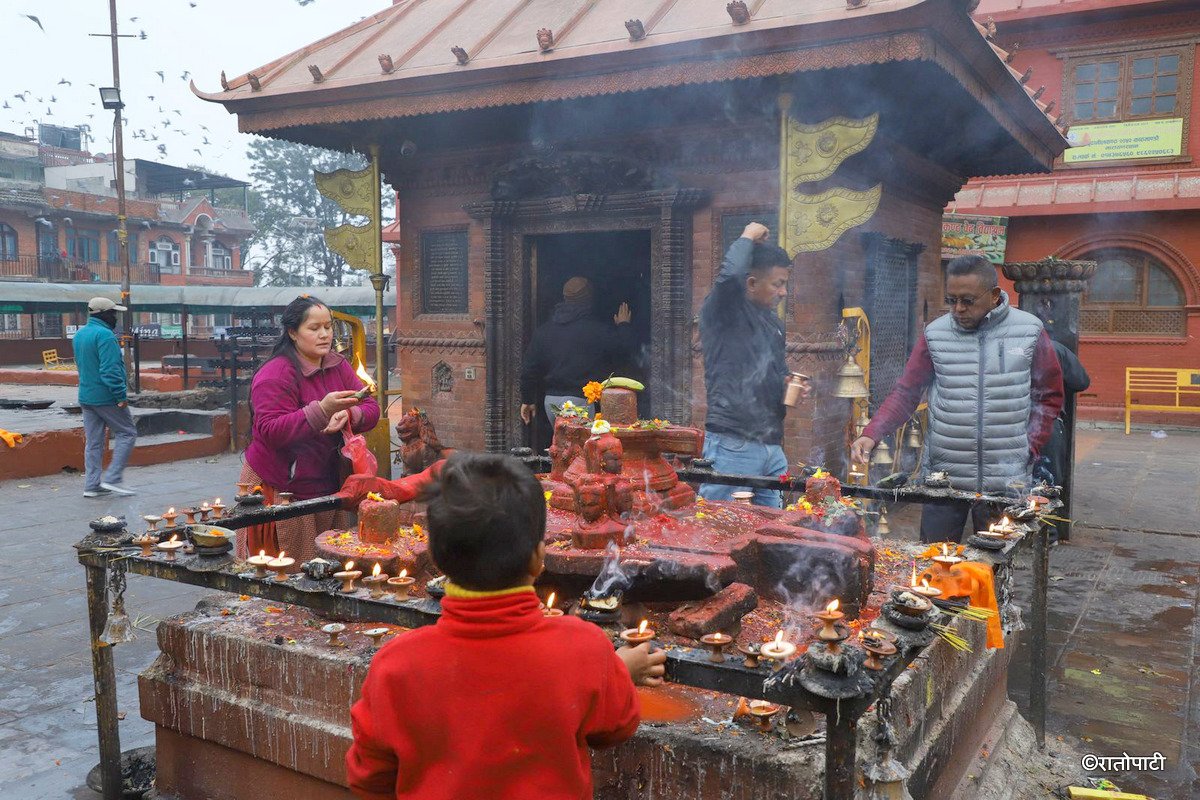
(618, 709)
(371, 764)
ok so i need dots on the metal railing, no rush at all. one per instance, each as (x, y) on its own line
(56, 269)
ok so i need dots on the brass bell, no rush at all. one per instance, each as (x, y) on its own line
(913, 440)
(850, 381)
(882, 457)
(883, 528)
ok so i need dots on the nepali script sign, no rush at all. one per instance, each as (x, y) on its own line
(1124, 141)
(968, 234)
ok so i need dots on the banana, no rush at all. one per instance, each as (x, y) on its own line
(624, 383)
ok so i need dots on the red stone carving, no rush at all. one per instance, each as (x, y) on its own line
(420, 447)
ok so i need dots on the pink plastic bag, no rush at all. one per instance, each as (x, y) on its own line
(361, 457)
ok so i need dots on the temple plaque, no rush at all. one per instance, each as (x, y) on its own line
(444, 272)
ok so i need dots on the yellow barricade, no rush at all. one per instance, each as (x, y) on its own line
(1168, 389)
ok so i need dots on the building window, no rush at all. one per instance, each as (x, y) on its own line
(221, 257)
(114, 247)
(83, 245)
(164, 253)
(1132, 294)
(8, 243)
(10, 322)
(1123, 86)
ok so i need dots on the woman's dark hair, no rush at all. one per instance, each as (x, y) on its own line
(292, 319)
(487, 514)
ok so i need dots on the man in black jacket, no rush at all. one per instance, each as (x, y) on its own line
(571, 349)
(745, 366)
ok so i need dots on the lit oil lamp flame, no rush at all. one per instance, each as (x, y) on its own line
(550, 600)
(175, 538)
(642, 627)
(217, 502)
(403, 573)
(375, 572)
(171, 510)
(1005, 522)
(282, 554)
(914, 575)
(924, 583)
(262, 553)
(362, 373)
(945, 550)
(349, 566)
(779, 636)
(832, 607)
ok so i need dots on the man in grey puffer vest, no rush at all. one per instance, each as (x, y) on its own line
(995, 388)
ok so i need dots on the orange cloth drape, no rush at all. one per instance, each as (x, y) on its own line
(976, 583)
(263, 536)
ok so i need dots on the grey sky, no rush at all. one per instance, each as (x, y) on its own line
(200, 37)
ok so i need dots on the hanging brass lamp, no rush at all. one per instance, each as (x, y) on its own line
(850, 381)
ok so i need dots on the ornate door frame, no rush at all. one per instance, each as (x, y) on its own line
(666, 213)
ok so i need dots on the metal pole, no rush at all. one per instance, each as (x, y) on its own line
(379, 281)
(183, 318)
(119, 156)
(841, 750)
(1037, 633)
(105, 683)
(137, 364)
(1067, 479)
(233, 394)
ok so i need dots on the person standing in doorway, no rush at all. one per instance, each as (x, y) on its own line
(995, 387)
(104, 399)
(571, 349)
(745, 364)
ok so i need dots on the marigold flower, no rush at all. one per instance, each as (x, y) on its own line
(592, 391)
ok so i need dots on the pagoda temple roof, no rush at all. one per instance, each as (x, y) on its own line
(401, 62)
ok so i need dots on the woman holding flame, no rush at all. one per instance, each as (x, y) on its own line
(301, 401)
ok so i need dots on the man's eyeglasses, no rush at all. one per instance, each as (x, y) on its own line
(966, 301)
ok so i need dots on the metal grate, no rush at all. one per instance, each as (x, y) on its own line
(891, 310)
(1133, 322)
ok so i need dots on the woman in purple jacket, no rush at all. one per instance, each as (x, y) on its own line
(302, 399)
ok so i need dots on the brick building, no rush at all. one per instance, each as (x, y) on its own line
(531, 141)
(58, 220)
(1122, 74)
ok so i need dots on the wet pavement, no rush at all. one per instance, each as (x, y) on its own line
(1123, 622)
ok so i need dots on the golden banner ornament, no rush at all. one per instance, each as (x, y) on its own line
(355, 243)
(815, 221)
(350, 189)
(814, 152)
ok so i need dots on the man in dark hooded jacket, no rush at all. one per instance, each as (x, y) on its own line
(571, 349)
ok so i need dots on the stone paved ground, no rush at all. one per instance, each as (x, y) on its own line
(1123, 598)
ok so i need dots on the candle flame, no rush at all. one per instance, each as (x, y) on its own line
(779, 636)
(365, 376)
(175, 538)
(550, 600)
(403, 573)
(262, 553)
(349, 566)
(375, 572)
(642, 627)
(282, 554)
(832, 607)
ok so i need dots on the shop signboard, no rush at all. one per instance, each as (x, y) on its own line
(969, 234)
(1124, 141)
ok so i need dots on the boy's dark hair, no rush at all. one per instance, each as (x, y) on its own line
(978, 266)
(767, 255)
(487, 514)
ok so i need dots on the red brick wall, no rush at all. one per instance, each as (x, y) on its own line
(814, 432)
(1106, 358)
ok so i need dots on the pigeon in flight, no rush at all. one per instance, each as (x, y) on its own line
(133, 19)
(160, 75)
(38, 22)
(6, 105)
(64, 80)
(196, 150)
(206, 141)
(162, 148)
(185, 75)
(142, 35)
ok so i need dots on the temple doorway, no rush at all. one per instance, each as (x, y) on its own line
(618, 264)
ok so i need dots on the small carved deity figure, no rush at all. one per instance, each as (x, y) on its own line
(545, 39)
(564, 448)
(602, 494)
(420, 447)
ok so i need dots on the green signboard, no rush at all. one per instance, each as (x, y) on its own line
(969, 234)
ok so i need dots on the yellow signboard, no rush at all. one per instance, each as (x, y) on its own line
(1121, 141)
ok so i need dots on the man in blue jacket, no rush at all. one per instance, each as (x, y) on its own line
(102, 394)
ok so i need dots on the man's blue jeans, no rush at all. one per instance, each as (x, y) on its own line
(734, 455)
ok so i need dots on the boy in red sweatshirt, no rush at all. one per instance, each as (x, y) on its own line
(495, 701)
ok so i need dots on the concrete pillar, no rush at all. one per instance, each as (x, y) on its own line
(1052, 289)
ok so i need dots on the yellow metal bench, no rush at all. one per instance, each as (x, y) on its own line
(1179, 385)
(50, 360)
